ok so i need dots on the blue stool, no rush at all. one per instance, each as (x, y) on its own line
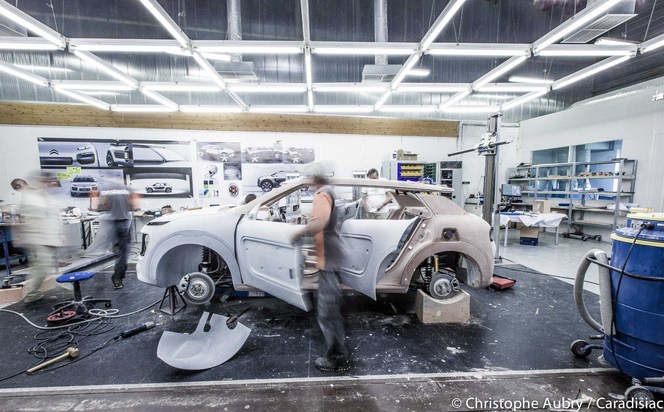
(80, 304)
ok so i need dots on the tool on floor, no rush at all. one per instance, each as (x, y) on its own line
(131, 332)
(69, 353)
(632, 316)
(216, 339)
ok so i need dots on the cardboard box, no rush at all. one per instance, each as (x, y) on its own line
(405, 155)
(541, 206)
(531, 232)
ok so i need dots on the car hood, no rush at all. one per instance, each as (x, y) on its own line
(84, 184)
(206, 211)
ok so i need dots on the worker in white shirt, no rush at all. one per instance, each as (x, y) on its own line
(376, 200)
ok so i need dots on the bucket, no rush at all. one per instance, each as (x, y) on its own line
(637, 347)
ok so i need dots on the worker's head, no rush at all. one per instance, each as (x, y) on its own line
(320, 172)
(372, 174)
(19, 184)
(249, 198)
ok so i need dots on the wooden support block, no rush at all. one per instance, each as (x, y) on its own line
(453, 310)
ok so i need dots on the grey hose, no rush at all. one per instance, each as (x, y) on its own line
(604, 291)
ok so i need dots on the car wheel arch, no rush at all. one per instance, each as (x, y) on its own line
(181, 254)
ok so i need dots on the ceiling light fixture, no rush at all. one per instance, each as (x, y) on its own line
(248, 47)
(43, 68)
(607, 41)
(166, 21)
(363, 48)
(32, 24)
(652, 44)
(310, 100)
(90, 85)
(350, 87)
(403, 72)
(210, 70)
(454, 99)
(440, 23)
(23, 74)
(85, 99)
(588, 71)
(408, 109)
(499, 71)
(26, 43)
(587, 50)
(106, 67)
(344, 109)
(160, 99)
(142, 108)
(279, 109)
(432, 87)
(126, 45)
(585, 16)
(418, 72)
(180, 87)
(531, 80)
(470, 109)
(308, 76)
(210, 109)
(478, 49)
(382, 100)
(268, 88)
(512, 88)
(523, 99)
(217, 57)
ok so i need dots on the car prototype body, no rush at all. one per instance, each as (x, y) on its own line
(267, 183)
(159, 187)
(63, 154)
(129, 155)
(427, 241)
(218, 153)
(82, 185)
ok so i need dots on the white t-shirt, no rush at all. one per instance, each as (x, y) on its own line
(375, 197)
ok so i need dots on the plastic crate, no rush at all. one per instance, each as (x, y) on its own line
(528, 241)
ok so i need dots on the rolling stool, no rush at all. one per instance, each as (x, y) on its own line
(66, 311)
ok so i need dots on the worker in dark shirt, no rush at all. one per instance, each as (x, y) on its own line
(325, 228)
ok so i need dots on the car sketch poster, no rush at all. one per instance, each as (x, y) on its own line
(220, 169)
(152, 168)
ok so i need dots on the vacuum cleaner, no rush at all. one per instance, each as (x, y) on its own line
(631, 285)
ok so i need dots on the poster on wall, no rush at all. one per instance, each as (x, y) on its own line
(220, 170)
(278, 153)
(150, 168)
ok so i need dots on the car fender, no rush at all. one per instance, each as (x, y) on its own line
(177, 255)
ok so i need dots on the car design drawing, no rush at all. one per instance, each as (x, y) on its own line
(300, 155)
(427, 241)
(267, 183)
(218, 153)
(159, 187)
(129, 155)
(63, 154)
(82, 185)
(264, 154)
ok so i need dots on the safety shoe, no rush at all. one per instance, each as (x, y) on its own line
(117, 284)
(327, 365)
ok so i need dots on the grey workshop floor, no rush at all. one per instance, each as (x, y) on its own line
(516, 346)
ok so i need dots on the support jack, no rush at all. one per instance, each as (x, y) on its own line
(171, 296)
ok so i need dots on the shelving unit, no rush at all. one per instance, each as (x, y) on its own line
(583, 189)
(403, 170)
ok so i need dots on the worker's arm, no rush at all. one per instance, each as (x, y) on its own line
(320, 216)
(389, 197)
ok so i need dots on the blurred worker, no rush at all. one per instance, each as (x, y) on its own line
(41, 232)
(248, 199)
(325, 228)
(375, 200)
(119, 200)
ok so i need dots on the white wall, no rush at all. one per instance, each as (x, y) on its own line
(632, 117)
(19, 154)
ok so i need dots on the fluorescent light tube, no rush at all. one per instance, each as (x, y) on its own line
(279, 109)
(142, 108)
(218, 57)
(585, 51)
(432, 87)
(210, 70)
(343, 109)
(32, 24)
(382, 99)
(571, 25)
(90, 85)
(106, 67)
(440, 23)
(512, 88)
(523, 99)
(126, 45)
(412, 61)
(499, 71)
(454, 99)
(166, 21)
(23, 74)
(268, 88)
(652, 44)
(85, 99)
(408, 109)
(479, 49)
(363, 49)
(589, 71)
(418, 72)
(350, 87)
(308, 76)
(310, 100)
(26, 43)
(470, 109)
(160, 99)
(607, 41)
(248, 47)
(43, 68)
(210, 109)
(180, 87)
(532, 80)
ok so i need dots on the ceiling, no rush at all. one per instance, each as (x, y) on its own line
(295, 56)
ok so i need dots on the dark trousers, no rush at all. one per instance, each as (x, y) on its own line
(329, 316)
(121, 231)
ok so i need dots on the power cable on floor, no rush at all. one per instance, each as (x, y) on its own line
(534, 272)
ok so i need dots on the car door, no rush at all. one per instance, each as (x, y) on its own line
(269, 262)
(368, 243)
